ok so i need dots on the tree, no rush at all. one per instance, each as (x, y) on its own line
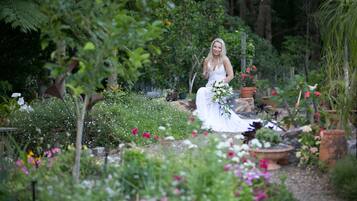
(103, 36)
(263, 24)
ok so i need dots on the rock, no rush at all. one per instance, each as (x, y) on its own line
(98, 151)
(244, 104)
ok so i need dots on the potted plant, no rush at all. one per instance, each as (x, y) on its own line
(247, 79)
(268, 145)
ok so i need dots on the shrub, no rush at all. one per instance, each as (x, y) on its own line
(344, 178)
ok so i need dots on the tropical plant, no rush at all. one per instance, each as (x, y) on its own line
(339, 29)
(22, 14)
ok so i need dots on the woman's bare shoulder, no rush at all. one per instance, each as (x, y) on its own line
(226, 59)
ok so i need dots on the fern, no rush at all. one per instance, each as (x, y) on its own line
(22, 14)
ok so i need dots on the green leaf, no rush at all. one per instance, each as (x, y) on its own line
(89, 46)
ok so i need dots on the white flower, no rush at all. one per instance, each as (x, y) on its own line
(219, 153)
(21, 101)
(187, 142)
(26, 108)
(195, 113)
(255, 143)
(235, 159)
(162, 128)
(298, 154)
(266, 144)
(239, 137)
(38, 130)
(222, 145)
(14, 95)
(241, 154)
(192, 146)
(245, 147)
(169, 138)
(306, 129)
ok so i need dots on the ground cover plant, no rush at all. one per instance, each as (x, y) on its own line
(220, 170)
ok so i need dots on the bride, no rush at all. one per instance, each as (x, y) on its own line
(217, 67)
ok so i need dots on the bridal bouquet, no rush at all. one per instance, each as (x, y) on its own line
(221, 91)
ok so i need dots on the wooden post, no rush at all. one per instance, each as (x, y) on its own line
(243, 59)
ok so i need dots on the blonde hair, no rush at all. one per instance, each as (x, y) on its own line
(221, 56)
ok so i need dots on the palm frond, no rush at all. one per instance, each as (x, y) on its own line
(22, 14)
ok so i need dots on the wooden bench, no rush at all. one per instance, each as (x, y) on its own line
(4, 132)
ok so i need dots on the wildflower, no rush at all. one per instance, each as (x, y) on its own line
(134, 131)
(230, 154)
(162, 128)
(146, 135)
(156, 137)
(205, 133)
(169, 138)
(227, 167)
(316, 93)
(263, 164)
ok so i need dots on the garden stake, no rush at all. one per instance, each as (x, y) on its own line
(33, 185)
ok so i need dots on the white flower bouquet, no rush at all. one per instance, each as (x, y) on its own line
(221, 91)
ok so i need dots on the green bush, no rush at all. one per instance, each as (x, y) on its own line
(344, 178)
(125, 111)
(52, 123)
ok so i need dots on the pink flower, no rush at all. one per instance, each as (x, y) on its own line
(260, 196)
(156, 137)
(263, 164)
(307, 94)
(313, 150)
(230, 154)
(177, 178)
(134, 131)
(316, 93)
(247, 70)
(254, 68)
(205, 133)
(146, 135)
(194, 133)
(227, 167)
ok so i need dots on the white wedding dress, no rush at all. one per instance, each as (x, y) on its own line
(209, 112)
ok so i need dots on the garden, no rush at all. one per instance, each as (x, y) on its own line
(98, 100)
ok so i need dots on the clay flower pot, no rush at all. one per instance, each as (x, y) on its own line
(272, 155)
(247, 92)
(333, 146)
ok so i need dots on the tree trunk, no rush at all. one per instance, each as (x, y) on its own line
(80, 122)
(242, 9)
(263, 24)
(346, 67)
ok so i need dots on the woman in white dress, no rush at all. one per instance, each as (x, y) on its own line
(217, 67)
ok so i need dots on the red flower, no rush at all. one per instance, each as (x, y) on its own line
(194, 133)
(177, 178)
(230, 154)
(316, 93)
(243, 75)
(205, 133)
(134, 131)
(146, 135)
(274, 92)
(307, 94)
(263, 164)
(247, 70)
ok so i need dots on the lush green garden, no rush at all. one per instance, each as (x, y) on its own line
(77, 77)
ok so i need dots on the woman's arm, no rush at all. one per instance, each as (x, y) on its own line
(229, 70)
(205, 69)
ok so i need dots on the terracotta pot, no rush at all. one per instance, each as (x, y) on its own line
(247, 92)
(333, 146)
(273, 155)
